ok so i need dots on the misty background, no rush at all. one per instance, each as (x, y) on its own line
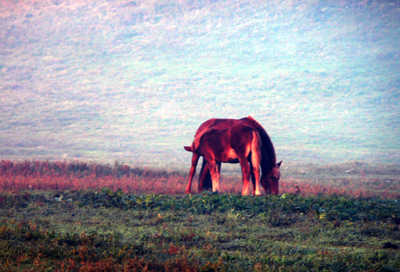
(133, 80)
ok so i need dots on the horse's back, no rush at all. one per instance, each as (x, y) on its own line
(226, 123)
(216, 123)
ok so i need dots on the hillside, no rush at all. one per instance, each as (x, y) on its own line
(132, 80)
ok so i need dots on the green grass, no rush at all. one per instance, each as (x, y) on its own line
(85, 216)
(112, 230)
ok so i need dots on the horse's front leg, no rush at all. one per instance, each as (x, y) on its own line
(244, 164)
(195, 159)
(256, 179)
(253, 180)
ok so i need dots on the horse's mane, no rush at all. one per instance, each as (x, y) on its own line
(267, 145)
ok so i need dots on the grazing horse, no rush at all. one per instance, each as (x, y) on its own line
(270, 169)
(239, 143)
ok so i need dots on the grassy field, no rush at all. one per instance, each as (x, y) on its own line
(79, 216)
(132, 80)
(90, 82)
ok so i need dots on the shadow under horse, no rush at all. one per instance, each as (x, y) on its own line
(270, 169)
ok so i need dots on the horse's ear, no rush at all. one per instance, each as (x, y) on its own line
(188, 148)
(279, 164)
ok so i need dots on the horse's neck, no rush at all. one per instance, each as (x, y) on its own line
(268, 159)
(267, 146)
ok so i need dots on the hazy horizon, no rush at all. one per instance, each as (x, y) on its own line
(133, 80)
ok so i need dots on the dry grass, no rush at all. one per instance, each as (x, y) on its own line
(310, 180)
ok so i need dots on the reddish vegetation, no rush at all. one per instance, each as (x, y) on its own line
(62, 175)
(366, 188)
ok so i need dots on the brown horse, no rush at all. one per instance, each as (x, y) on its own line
(270, 169)
(240, 143)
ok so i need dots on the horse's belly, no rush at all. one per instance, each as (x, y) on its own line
(230, 157)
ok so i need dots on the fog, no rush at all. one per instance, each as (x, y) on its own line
(133, 80)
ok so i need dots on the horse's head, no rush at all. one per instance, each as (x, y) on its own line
(270, 182)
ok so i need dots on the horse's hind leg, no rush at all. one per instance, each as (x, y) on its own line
(204, 172)
(214, 171)
(204, 177)
(195, 159)
(207, 182)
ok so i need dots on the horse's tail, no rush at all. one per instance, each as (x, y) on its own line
(196, 141)
(194, 145)
(188, 148)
